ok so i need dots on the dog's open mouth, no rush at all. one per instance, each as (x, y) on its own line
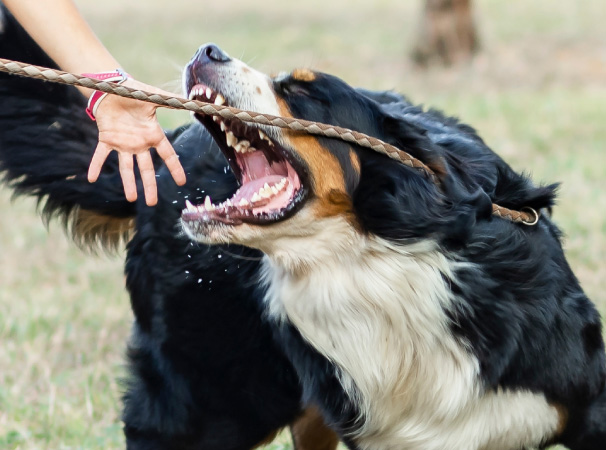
(270, 187)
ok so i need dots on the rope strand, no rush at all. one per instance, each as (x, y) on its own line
(229, 113)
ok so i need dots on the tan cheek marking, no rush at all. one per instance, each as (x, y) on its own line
(245, 69)
(303, 75)
(328, 181)
(355, 161)
(258, 89)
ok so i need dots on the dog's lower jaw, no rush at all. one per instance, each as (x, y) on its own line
(297, 244)
(207, 233)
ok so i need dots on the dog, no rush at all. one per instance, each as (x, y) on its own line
(414, 318)
(204, 370)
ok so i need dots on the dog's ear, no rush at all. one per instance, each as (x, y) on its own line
(411, 138)
(405, 203)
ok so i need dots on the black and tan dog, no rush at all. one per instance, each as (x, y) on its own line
(205, 373)
(414, 318)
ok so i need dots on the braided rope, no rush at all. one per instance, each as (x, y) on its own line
(527, 215)
(229, 113)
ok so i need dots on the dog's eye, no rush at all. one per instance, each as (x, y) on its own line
(292, 89)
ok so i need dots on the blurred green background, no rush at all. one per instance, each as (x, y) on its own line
(536, 93)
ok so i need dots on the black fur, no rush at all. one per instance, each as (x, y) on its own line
(204, 370)
(523, 312)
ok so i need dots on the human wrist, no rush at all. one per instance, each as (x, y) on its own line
(96, 97)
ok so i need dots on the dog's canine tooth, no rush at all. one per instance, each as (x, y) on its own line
(190, 206)
(263, 136)
(220, 100)
(209, 93)
(208, 204)
(223, 126)
(231, 139)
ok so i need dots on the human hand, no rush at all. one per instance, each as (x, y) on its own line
(130, 127)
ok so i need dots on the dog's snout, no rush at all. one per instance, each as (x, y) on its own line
(212, 53)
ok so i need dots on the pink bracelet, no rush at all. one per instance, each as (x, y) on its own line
(118, 76)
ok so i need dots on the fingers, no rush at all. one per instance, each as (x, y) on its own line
(167, 152)
(128, 175)
(148, 176)
(96, 163)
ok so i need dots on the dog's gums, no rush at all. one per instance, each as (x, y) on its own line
(270, 187)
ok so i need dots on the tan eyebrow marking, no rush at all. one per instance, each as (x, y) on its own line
(303, 75)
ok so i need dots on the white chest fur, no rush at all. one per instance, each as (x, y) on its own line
(378, 313)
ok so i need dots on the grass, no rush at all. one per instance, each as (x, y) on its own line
(536, 94)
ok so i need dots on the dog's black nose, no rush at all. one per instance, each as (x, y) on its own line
(212, 53)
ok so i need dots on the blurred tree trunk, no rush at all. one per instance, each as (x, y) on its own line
(447, 34)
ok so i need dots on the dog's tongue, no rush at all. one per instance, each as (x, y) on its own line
(256, 166)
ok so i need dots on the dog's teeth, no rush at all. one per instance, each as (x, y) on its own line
(208, 204)
(216, 118)
(209, 93)
(231, 139)
(255, 197)
(219, 100)
(242, 146)
(281, 184)
(223, 126)
(263, 136)
(274, 190)
(243, 202)
(190, 206)
(265, 191)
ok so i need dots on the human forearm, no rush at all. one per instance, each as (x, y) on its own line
(58, 27)
(128, 126)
